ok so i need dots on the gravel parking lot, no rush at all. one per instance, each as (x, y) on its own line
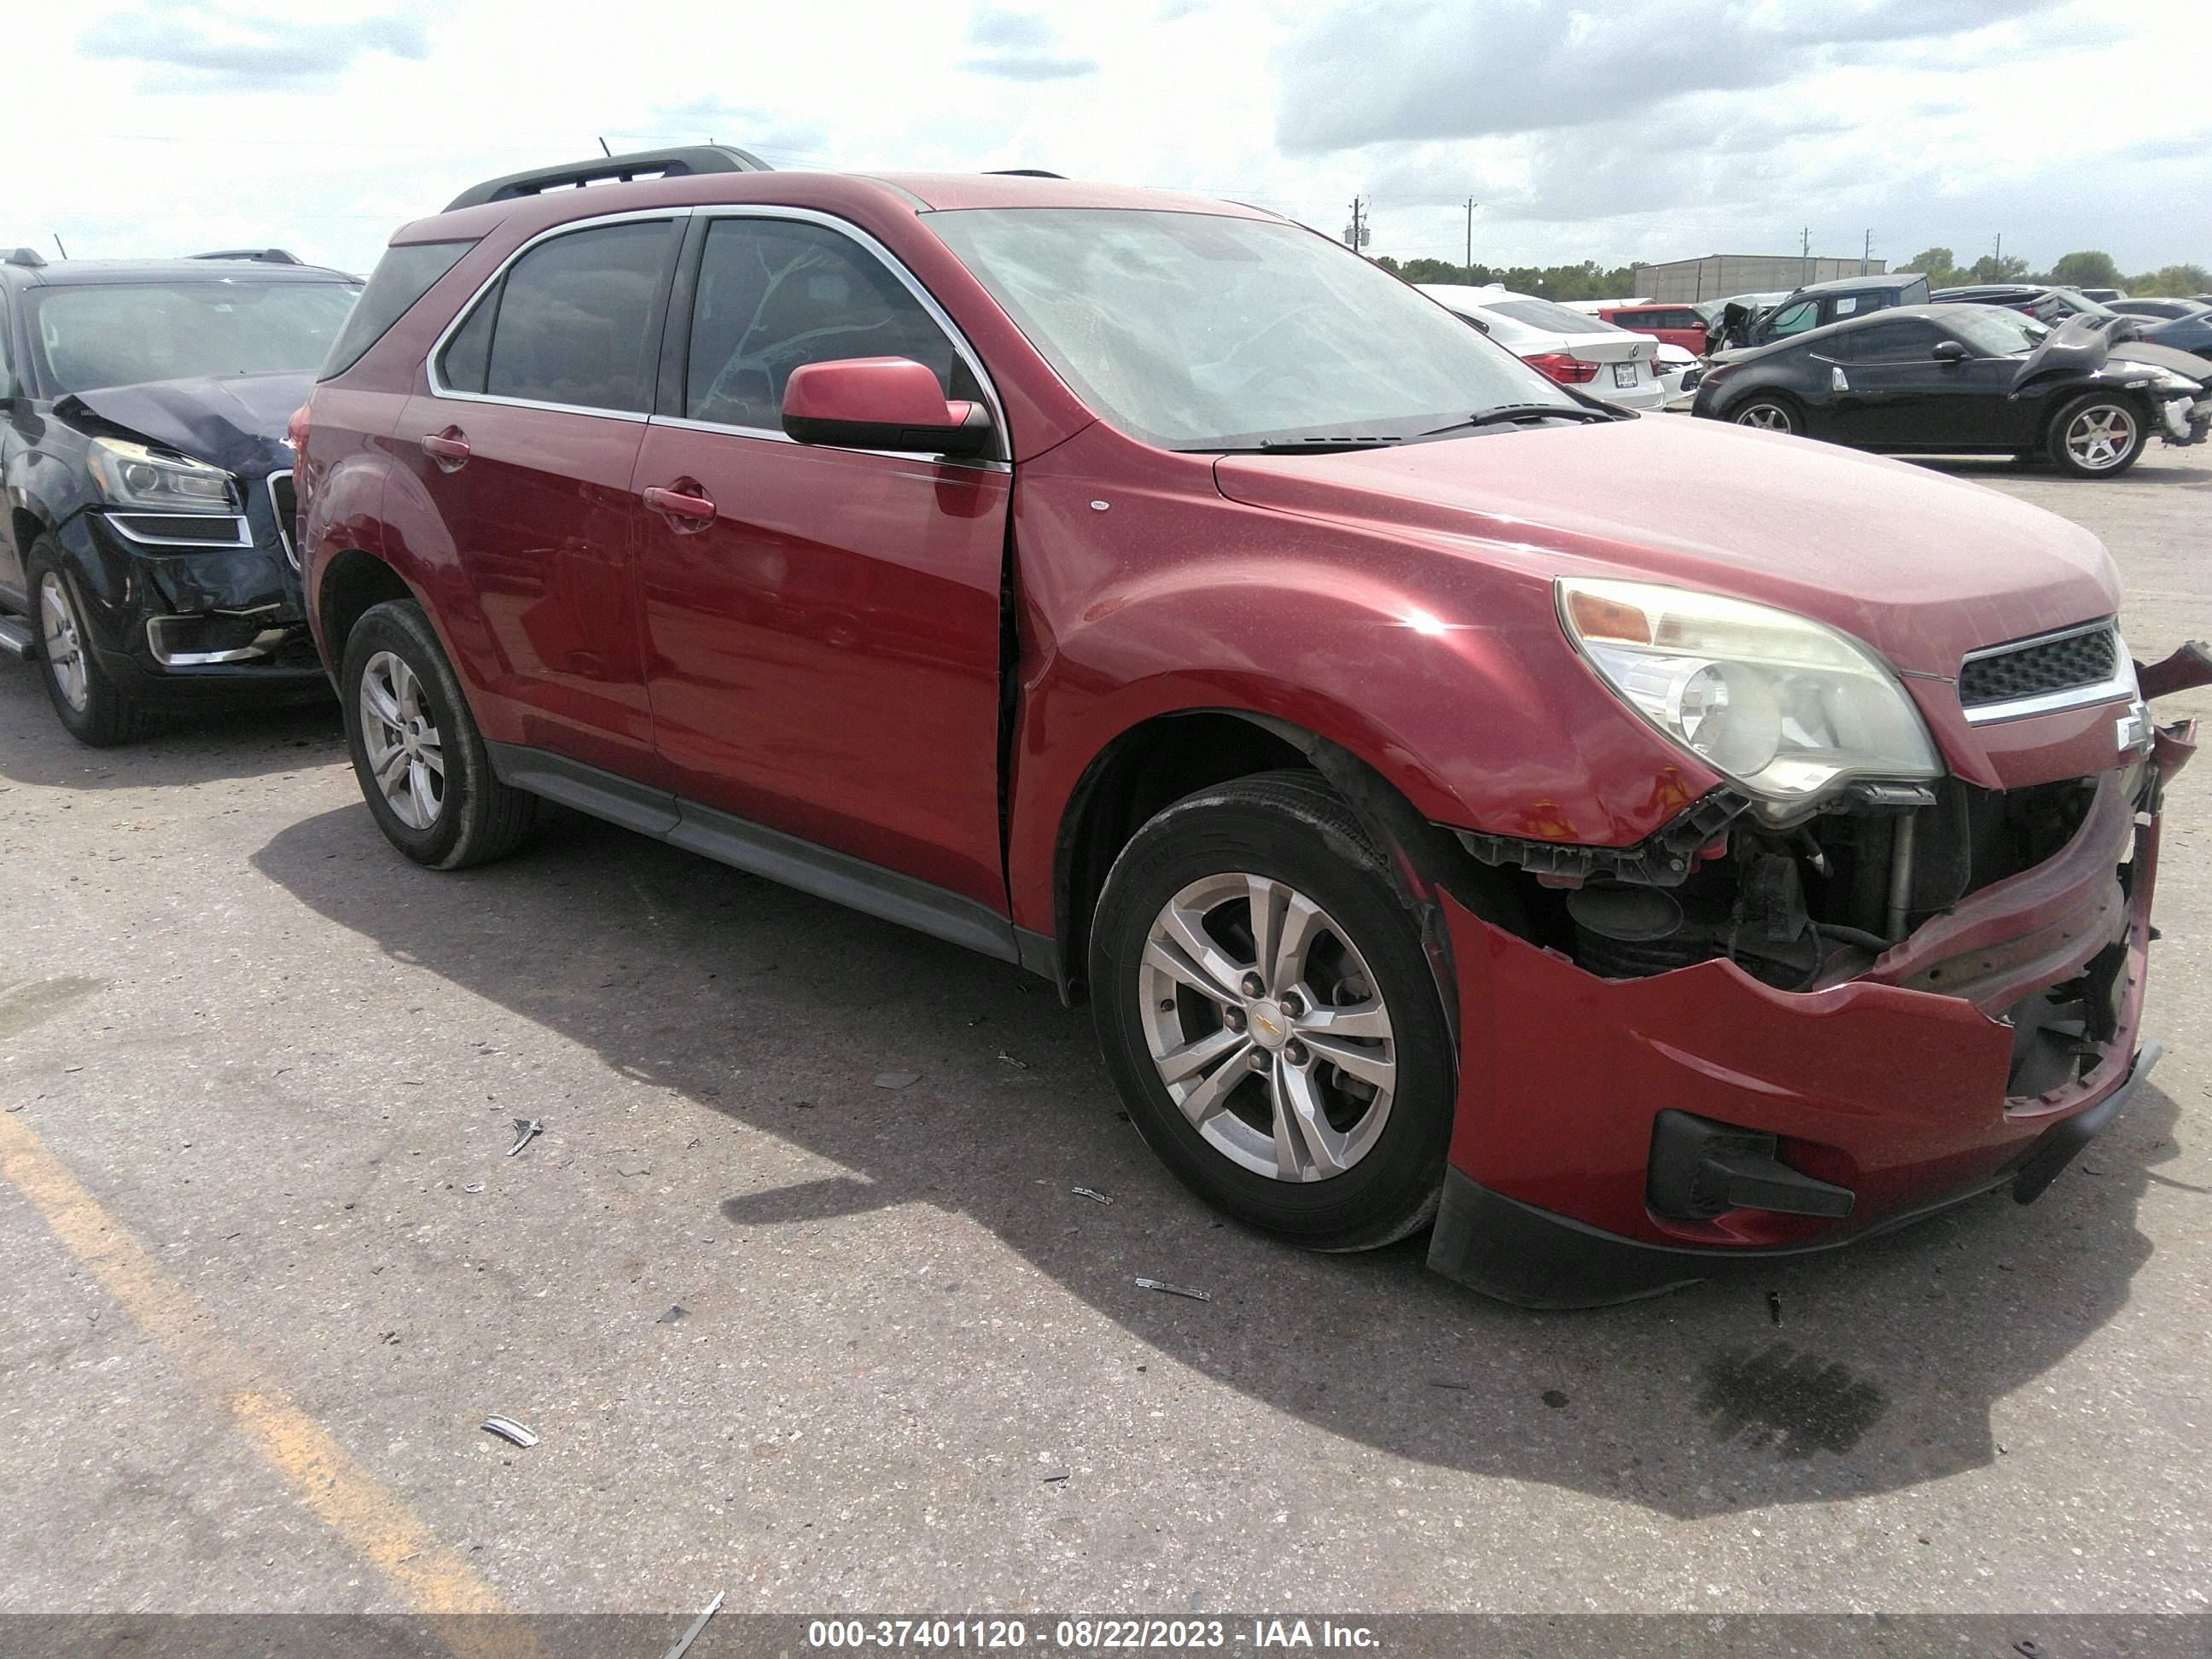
(255, 1063)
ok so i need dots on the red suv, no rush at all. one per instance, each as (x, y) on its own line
(1450, 818)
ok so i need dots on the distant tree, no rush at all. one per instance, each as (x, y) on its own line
(2173, 281)
(1938, 265)
(1991, 269)
(2092, 268)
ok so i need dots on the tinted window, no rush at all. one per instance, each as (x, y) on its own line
(1892, 342)
(122, 334)
(575, 315)
(777, 294)
(462, 364)
(402, 276)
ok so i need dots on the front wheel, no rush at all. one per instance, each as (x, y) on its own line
(2098, 436)
(1270, 1017)
(93, 709)
(420, 760)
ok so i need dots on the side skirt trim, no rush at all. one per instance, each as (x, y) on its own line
(760, 851)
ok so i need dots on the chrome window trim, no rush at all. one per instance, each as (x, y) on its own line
(119, 522)
(277, 512)
(2120, 686)
(845, 227)
(439, 389)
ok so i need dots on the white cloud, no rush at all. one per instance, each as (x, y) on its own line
(1639, 130)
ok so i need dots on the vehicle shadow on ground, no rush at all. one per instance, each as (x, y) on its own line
(780, 1011)
(2003, 466)
(184, 750)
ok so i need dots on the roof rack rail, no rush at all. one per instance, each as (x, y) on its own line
(608, 169)
(29, 257)
(265, 256)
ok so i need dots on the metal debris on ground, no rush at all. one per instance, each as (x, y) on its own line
(1175, 1290)
(1774, 1306)
(676, 1312)
(474, 1186)
(1091, 1193)
(525, 1127)
(697, 1624)
(1058, 1477)
(897, 1079)
(1446, 1383)
(508, 1429)
(1018, 1064)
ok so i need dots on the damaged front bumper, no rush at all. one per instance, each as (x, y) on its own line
(1616, 1137)
(175, 618)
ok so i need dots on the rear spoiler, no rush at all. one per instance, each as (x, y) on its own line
(611, 169)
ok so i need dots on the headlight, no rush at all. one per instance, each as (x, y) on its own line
(147, 481)
(1785, 706)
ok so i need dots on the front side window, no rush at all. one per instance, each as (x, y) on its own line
(1894, 343)
(1795, 321)
(570, 323)
(1199, 331)
(127, 333)
(774, 295)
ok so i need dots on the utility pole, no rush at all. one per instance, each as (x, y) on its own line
(2001, 255)
(1866, 254)
(1355, 234)
(1470, 238)
(1805, 252)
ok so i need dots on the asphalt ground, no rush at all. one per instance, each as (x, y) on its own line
(253, 1063)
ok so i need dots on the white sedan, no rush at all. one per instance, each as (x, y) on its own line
(1575, 350)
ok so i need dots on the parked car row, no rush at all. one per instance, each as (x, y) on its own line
(1452, 820)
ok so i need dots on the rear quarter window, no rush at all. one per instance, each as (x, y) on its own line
(402, 276)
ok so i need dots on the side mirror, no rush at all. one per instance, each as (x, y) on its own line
(881, 403)
(1949, 351)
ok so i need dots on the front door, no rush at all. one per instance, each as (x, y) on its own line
(822, 625)
(1902, 397)
(526, 446)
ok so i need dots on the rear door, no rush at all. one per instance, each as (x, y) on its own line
(526, 446)
(823, 641)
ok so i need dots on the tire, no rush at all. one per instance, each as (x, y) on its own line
(1770, 411)
(446, 810)
(2075, 447)
(1370, 1168)
(92, 707)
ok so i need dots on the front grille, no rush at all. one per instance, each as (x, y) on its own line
(287, 507)
(2084, 658)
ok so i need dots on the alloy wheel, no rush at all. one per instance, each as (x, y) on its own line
(64, 641)
(1266, 1027)
(2100, 437)
(1767, 418)
(406, 755)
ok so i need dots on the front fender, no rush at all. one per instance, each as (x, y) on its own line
(1449, 676)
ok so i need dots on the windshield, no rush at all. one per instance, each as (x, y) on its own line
(123, 334)
(1193, 331)
(1995, 333)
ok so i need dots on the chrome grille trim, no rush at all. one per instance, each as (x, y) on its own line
(2117, 684)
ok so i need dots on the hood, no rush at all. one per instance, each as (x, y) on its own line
(2187, 363)
(1922, 566)
(2076, 346)
(236, 422)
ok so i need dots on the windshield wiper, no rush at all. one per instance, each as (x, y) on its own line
(1506, 414)
(1297, 447)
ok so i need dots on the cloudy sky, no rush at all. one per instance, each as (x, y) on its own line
(1616, 130)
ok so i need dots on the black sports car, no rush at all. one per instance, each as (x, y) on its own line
(147, 549)
(1950, 380)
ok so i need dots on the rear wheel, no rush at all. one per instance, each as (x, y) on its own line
(93, 708)
(420, 760)
(1770, 412)
(1269, 1016)
(2098, 436)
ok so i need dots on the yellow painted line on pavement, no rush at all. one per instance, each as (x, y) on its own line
(371, 1519)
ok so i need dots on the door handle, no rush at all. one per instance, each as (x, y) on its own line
(448, 448)
(688, 506)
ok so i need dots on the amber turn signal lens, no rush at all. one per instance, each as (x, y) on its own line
(1595, 617)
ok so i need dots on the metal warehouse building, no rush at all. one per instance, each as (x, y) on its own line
(1718, 276)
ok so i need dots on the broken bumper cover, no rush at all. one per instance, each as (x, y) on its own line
(1894, 1092)
(182, 622)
